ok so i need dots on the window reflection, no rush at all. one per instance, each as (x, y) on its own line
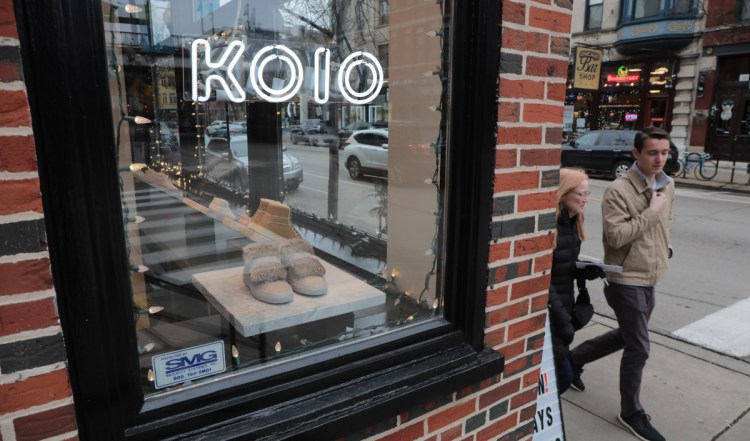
(334, 190)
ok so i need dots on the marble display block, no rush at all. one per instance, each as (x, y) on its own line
(227, 292)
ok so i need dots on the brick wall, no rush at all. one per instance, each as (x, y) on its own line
(533, 72)
(35, 397)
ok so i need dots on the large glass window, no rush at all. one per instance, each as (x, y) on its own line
(281, 194)
(645, 8)
(621, 96)
(681, 6)
(594, 11)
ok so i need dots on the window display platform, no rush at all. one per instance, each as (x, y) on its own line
(227, 292)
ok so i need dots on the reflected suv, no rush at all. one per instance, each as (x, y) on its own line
(229, 167)
(609, 153)
(366, 153)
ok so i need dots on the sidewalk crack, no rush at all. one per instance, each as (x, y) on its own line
(730, 425)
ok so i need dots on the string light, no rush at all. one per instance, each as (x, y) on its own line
(138, 268)
(133, 9)
(146, 348)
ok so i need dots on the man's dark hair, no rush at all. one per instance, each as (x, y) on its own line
(649, 133)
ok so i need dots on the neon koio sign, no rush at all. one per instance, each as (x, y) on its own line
(280, 91)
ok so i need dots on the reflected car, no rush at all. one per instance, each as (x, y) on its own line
(313, 136)
(346, 131)
(608, 153)
(227, 164)
(234, 129)
(366, 153)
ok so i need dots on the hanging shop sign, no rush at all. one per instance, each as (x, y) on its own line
(225, 73)
(587, 68)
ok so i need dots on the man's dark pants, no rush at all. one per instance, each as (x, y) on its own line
(633, 306)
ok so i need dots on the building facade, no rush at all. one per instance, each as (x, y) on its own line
(650, 54)
(132, 301)
(722, 106)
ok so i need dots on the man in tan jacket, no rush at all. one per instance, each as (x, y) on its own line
(635, 214)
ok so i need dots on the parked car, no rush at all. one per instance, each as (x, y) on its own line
(312, 124)
(313, 136)
(609, 153)
(218, 128)
(215, 125)
(346, 131)
(227, 164)
(366, 153)
(234, 129)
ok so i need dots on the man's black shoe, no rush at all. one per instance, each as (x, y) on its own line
(577, 384)
(640, 425)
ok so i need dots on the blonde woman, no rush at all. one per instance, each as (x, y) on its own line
(572, 197)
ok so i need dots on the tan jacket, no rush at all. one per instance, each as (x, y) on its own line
(635, 236)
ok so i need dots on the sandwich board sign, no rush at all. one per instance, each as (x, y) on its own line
(548, 424)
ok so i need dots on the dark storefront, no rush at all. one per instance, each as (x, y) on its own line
(632, 94)
(729, 116)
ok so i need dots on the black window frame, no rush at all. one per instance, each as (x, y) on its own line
(63, 50)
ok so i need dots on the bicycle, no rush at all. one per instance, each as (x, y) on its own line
(703, 167)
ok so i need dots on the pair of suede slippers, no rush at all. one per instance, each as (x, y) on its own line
(273, 273)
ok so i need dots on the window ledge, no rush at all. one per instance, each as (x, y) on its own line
(362, 401)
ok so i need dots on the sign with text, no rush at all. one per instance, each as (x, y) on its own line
(548, 419)
(188, 364)
(587, 68)
(222, 68)
(629, 78)
(568, 114)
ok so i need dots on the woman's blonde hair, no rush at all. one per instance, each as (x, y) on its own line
(570, 178)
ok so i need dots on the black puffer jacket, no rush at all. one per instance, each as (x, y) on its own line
(562, 290)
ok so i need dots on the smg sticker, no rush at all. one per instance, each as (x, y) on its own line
(188, 364)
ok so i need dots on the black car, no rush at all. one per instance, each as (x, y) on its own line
(609, 153)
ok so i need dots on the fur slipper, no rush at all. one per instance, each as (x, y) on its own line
(304, 271)
(265, 275)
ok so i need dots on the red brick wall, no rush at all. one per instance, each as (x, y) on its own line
(723, 25)
(35, 400)
(535, 46)
(35, 396)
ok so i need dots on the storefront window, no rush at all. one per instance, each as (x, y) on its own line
(620, 96)
(281, 169)
(578, 108)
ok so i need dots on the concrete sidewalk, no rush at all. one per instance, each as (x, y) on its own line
(691, 393)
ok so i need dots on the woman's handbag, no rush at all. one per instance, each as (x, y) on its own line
(583, 310)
